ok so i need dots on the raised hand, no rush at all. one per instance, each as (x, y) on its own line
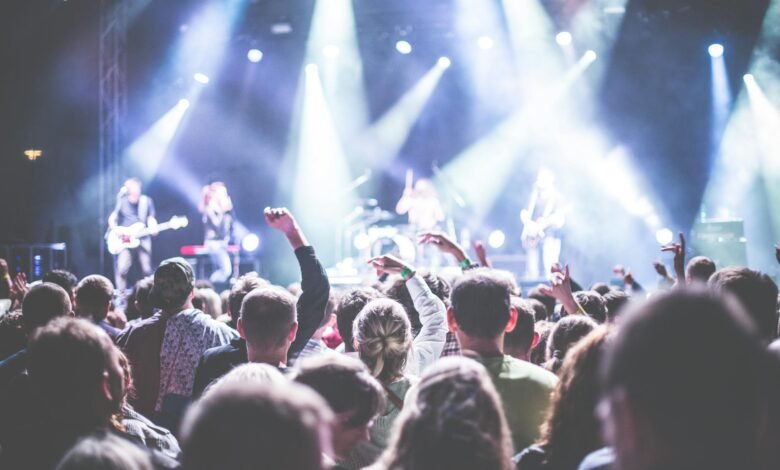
(389, 264)
(19, 289)
(660, 268)
(481, 251)
(560, 288)
(679, 257)
(444, 243)
(281, 219)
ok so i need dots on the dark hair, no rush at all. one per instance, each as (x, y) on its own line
(481, 303)
(571, 429)
(43, 303)
(398, 291)
(691, 366)
(268, 315)
(540, 311)
(93, 297)
(539, 352)
(347, 309)
(549, 302)
(13, 337)
(65, 279)
(245, 425)
(66, 361)
(565, 334)
(522, 336)
(593, 304)
(600, 287)
(616, 300)
(244, 285)
(757, 293)
(141, 293)
(344, 383)
(699, 269)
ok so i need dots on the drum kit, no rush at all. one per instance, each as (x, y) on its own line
(369, 231)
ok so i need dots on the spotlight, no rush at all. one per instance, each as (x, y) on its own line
(403, 47)
(664, 236)
(485, 43)
(254, 55)
(749, 79)
(444, 62)
(362, 241)
(715, 50)
(331, 51)
(184, 103)
(250, 242)
(563, 38)
(590, 56)
(201, 78)
(311, 69)
(496, 239)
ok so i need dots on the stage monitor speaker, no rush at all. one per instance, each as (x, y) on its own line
(35, 259)
(721, 240)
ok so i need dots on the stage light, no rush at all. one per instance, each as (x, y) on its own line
(184, 103)
(33, 154)
(403, 47)
(330, 51)
(563, 38)
(250, 242)
(362, 241)
(444, 62)
(715, 50)
(254, 55)
(664, 236)
(201, 78)
(146, 153)
(485, 43)
(749, 79)
(312, 69)
(496, 239)
(590, 56)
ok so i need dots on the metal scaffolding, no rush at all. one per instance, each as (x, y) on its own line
(113, 105)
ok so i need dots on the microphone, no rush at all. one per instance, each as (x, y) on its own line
(121, 192)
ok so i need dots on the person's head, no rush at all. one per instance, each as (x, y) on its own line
(43, 303)
(268, 320)
(480, 307)
(12, 333)
(211, 303)
(757, 293)
(249, 373)
(398, 291)
(565, 334)
(699, 270)
(616, 301)
(519, 342)
(452, 419)
(75, 370)
(173, 285)
(141, 297)
(593, 304)
(382, 337)
(65, 279)
(537, 293)
(349, 305)
(600, 287)
(102, 451)
(684, 385)
(249, 425)
(353, 394)
(133, 188)
(571, 429)
(93, 297)
(539, 352)
(244, 285)
(540, 311)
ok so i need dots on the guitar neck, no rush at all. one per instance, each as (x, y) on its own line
(160, 228)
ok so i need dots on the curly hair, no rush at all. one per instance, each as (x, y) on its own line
(453, 420)
(384, 336)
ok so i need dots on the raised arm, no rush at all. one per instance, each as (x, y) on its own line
(429, 343)
(560, 289)
(679, 258)
(315, 286)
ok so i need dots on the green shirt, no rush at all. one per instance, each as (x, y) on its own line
(525, 391)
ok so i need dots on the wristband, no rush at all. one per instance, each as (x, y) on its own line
(406, 273)
(465, 263)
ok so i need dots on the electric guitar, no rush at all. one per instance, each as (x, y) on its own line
(534, 229)
(124, 238)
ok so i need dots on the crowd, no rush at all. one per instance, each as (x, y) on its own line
(413, 371)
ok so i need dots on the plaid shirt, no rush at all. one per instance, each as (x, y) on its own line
(451, 346)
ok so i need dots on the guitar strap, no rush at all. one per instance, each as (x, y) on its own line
(143, 209)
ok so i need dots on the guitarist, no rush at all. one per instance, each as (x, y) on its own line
(542, 221)
(133, 207)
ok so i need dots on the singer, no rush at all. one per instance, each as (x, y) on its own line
(132, 208)
(217, 209)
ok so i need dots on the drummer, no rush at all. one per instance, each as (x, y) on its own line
(421, 203)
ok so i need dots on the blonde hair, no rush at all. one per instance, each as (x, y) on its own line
(384, 336)
(251, 373)
(452, 419)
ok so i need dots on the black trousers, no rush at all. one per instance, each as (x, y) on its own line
(124, 261)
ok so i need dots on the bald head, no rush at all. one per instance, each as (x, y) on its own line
(43, 303)
(268, 316)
